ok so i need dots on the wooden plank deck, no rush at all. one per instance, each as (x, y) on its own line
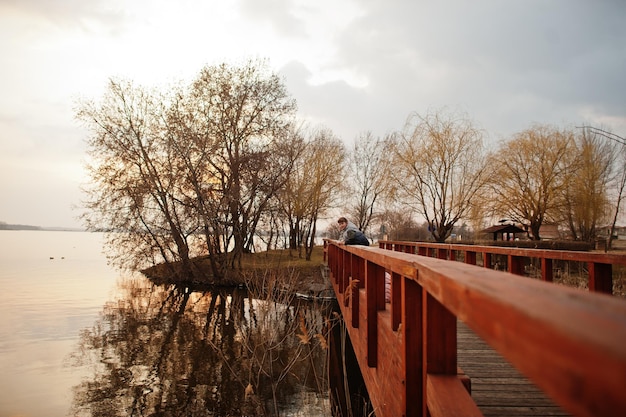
(497, 387)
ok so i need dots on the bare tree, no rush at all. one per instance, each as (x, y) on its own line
(207, 158)
(193, 143)
(368, 172)
(133, 191)
(399, 225)
(328, 154)
(439, 168)
(292, 149)
(312, 187)
(528, 176)
(250, 113)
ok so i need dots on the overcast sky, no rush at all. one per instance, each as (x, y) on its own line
(352, 66)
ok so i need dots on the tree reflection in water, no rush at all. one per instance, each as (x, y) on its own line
(169, 351)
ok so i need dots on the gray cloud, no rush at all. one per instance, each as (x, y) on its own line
(278, 13)
(509, 64)
(346, 109)
(353, 66)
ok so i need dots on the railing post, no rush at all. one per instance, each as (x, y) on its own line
(440, 340)
(440, 337)
(470, 258)
(516, 264)
(358, 273)
(373, 275)
(380, 288)
(344, 272)
(414, 401)
(547, 274)
(396, 300)
(333, 262)
(349, 276)
(486, 259)
(600, 277)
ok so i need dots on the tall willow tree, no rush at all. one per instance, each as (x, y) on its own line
(529, 176)
(200, 160)
(439, 168)
(619, 172)
(585, 200)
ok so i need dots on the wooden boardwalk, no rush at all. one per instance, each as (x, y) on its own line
(497, 387)
(410, 350)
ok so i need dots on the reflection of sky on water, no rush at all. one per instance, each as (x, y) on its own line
(45, 304)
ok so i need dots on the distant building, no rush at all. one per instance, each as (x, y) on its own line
(503, 232)
(549, 231)
(619, 233)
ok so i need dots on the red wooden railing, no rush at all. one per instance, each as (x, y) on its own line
(599, 265)
(571, 343)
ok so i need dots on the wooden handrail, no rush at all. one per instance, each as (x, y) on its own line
(570, 343)
(599, 264)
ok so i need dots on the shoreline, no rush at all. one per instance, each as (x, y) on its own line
(284, 264)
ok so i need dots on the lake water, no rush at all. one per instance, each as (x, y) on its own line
(45, 304)
(78, 337)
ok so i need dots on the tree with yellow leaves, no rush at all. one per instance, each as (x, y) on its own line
(438, 168)
(528, 176)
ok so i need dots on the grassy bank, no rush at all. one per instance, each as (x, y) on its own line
(280, 262)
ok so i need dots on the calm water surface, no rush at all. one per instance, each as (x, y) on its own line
(78, 338)
(46, 302)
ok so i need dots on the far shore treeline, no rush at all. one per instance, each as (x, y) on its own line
(8, 226)
(223, 166)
